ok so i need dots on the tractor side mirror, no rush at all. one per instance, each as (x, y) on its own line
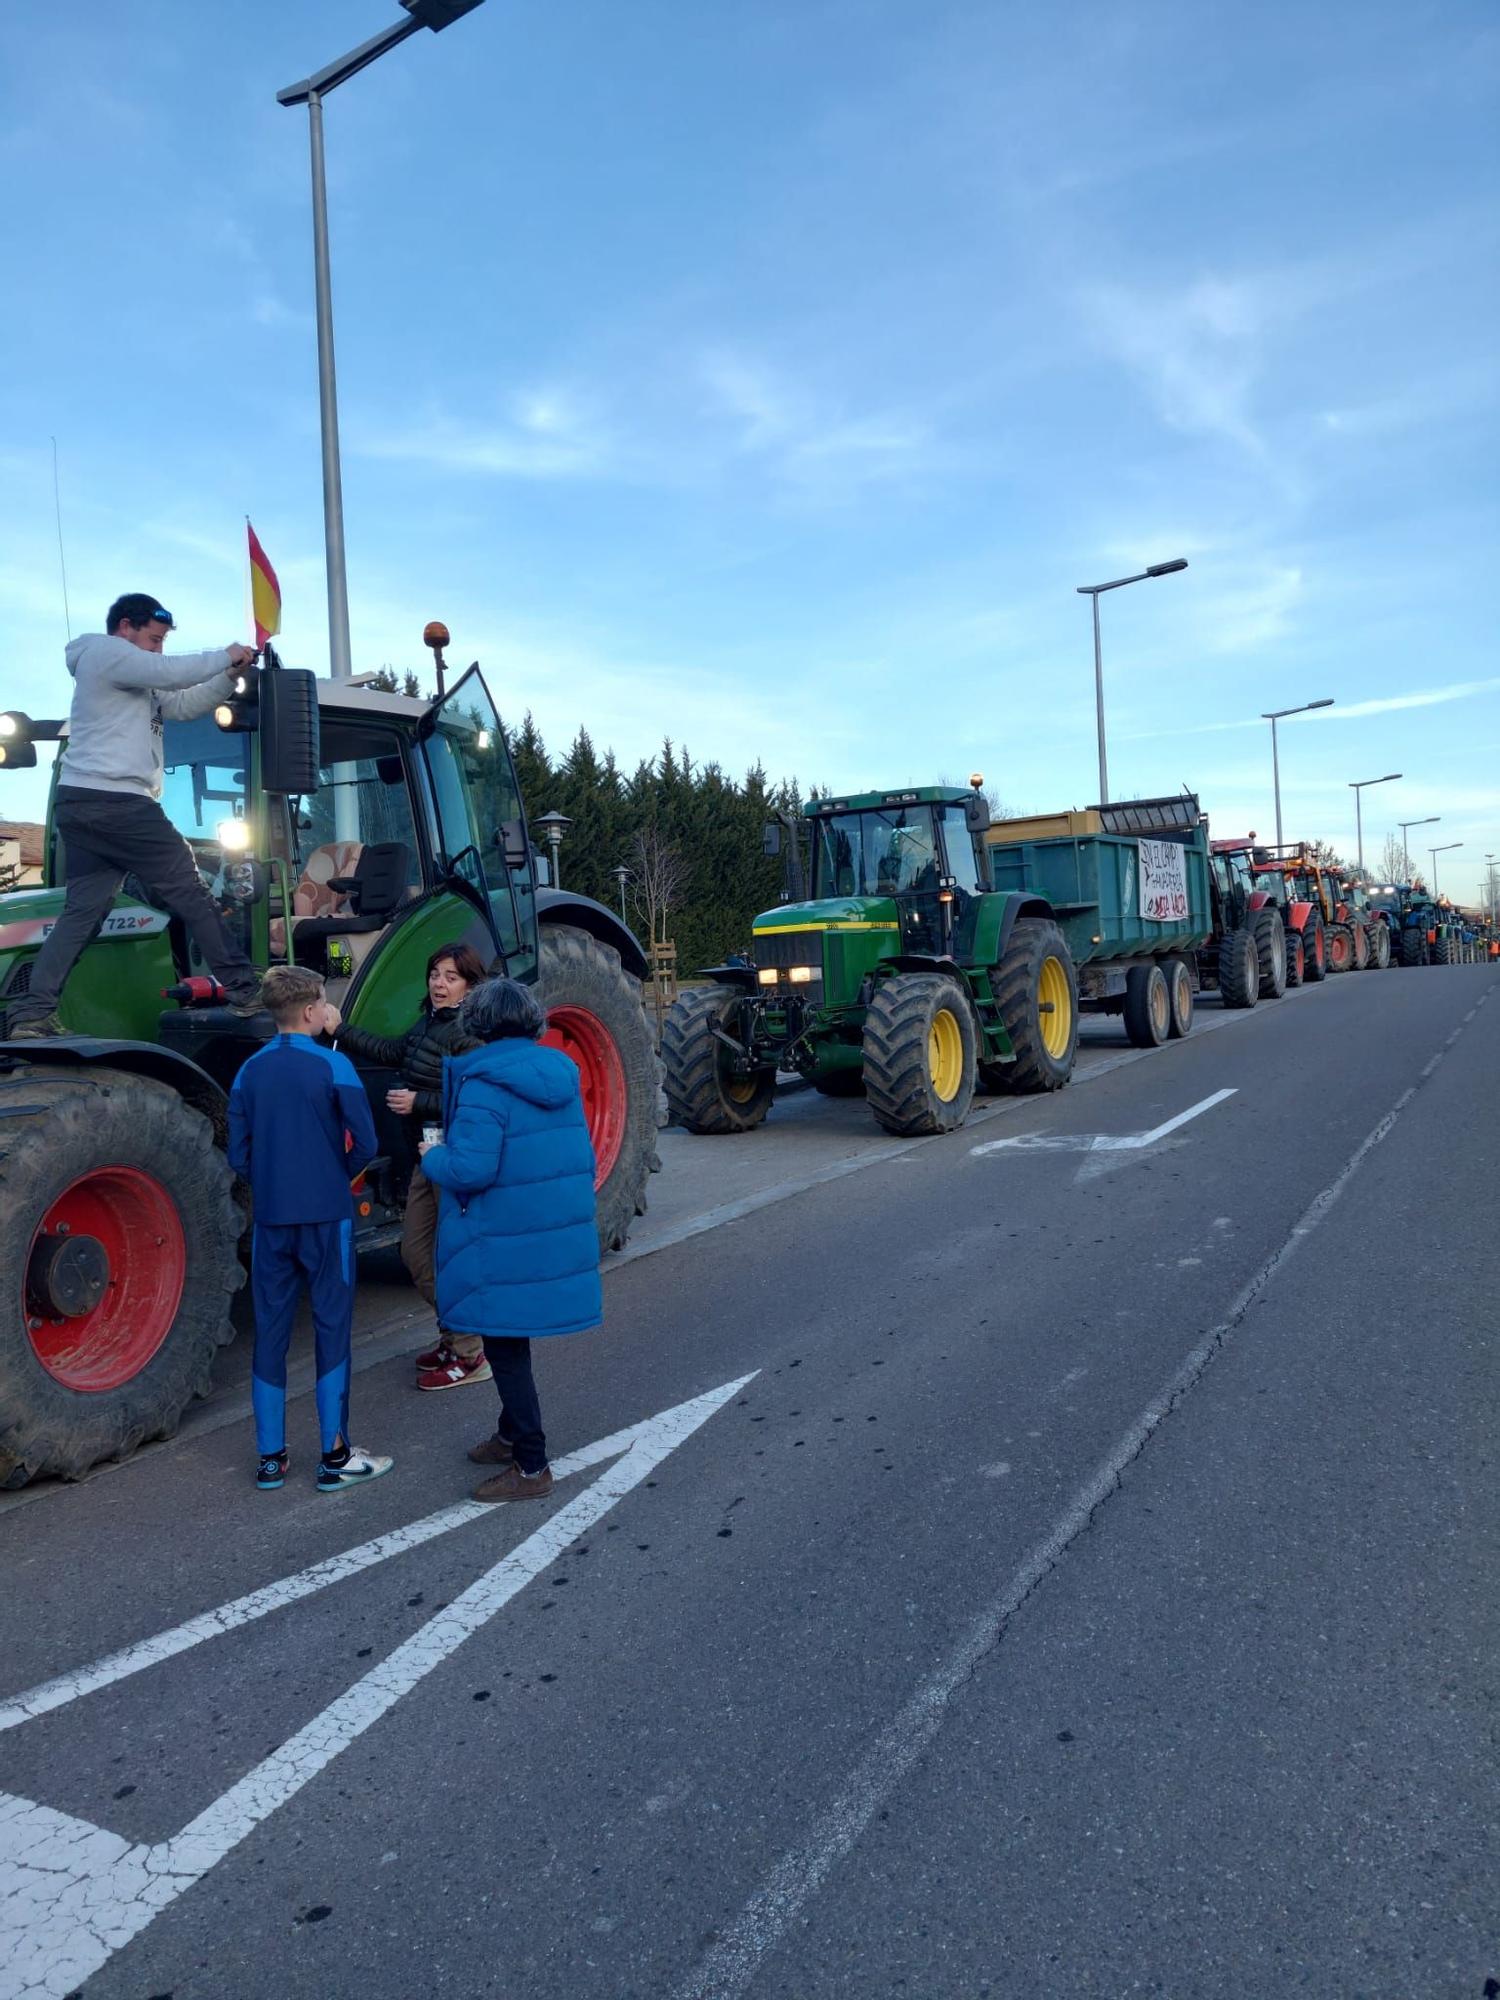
(510, 838)
(290, 752)
(977, 813)
(770, 838)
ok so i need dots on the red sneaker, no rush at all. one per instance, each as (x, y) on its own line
(455, 1372)
(435, 1357)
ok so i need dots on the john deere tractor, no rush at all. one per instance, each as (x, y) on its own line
(339, 828)
(903, 976)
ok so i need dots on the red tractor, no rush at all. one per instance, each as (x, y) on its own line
(1352, 909)
(1276, 884)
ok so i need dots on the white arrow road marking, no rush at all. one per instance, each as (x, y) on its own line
(72, 1894)
(1088, 1142)
(286, 1590)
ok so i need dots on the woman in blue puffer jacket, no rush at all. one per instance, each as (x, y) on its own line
(517, 1245)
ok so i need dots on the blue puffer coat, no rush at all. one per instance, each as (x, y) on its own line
(517, 1247)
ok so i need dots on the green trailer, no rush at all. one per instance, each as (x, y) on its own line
(936, 955)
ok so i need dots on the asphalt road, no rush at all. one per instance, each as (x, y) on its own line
(1072, 1574)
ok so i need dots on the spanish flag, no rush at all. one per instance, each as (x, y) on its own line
(265, 591)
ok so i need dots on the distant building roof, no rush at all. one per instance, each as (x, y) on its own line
(33, 839)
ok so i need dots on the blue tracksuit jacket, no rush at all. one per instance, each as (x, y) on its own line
(289, 1110)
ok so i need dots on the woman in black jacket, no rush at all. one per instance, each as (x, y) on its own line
(452, 972)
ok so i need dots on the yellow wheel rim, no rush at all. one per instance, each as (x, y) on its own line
(738, 1089)
(1056, 1003)
(945, 1056)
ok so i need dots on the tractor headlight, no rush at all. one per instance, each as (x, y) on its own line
(801, 975)
(225, 715)
(13, 725)
(767, 975)
(233, 835)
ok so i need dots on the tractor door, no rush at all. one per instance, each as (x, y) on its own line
(481, 823)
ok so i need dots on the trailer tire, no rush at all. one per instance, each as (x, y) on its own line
(122, 1164)
(920, 1051)
(702, 1095)
(1412, 945)
(1293, 959)
(1148, 1006)
(1180, 989)
(1239, 969)
(1045, 1042)
(1269, 933)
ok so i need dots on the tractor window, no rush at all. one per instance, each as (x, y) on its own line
(479, 810)
(888, 853)
(959, 842)
(362, 800)
(205, 777)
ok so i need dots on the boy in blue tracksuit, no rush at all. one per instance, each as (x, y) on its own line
(300, 1130)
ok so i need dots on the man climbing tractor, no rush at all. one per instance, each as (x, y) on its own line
(107, 809)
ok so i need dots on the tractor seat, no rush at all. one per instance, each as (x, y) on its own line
(371, 896)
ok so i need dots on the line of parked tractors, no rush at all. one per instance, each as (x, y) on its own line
(922, 953)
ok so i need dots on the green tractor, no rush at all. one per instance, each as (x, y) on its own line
(341, 828)
(904, 977)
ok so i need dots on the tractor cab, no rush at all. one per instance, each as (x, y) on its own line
(1233, 883)
(918, 850)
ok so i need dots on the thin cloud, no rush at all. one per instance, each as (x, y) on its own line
(1342, 711)
(805, 441)
(545, 435)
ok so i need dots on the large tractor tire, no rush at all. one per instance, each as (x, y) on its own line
(1380, 947)
(920, 1051)
(1036, 989)
(703, 1093)
(1314, 951)
(1363, 949)
(1340, 948)
(1413, 945)
(1239, 969)
(1148, 1006)
(1293, 959)
(594, 1015)
(840, 1083)
(1180, 992)
(118, 1249)
(1269, 933)
(1442, 951)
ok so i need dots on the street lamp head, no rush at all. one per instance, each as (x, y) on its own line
(439, 14)
(1167, 568)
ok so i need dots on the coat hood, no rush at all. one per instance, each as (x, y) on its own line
(543, 1077)
(76, 648)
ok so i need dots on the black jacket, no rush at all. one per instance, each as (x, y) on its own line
(417, 1055)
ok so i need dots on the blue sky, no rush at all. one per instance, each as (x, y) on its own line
(768, 376)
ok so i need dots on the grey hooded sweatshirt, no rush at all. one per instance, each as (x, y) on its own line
(121, 697)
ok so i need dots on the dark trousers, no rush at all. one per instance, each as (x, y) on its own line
(520, 1408)
(287, 1258)
(108, 835)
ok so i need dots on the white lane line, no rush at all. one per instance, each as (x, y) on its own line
(1086, 1142)
(72, 1894)
(65, 1688)
(730, 1966)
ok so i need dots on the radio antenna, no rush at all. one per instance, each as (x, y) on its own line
(62, 560)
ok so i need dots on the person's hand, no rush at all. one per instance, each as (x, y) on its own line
(426, 1145)
(240, 656)
(333, 1020)
(402, 1102)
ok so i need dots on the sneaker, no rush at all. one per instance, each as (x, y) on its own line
(455, 1372)
(272, 1472)
(514, 1484)
(358, 1469)
(435, 1357)
(37, 1027)
(248, 1005)
(494, 1451)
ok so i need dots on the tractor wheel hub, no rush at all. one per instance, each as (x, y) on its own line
(68, 1275)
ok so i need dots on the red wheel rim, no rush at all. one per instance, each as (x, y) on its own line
(583, 1038)
(135, 1221)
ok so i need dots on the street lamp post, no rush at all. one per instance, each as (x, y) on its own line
(552, 826)
(1447, 846)
(1357, 785)
(1279, 715)
(1095, 591)
(622, 876)
(434, 14)
(1431, 820)
(1489, 885)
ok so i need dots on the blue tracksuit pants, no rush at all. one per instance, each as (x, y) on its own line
(285, 1258)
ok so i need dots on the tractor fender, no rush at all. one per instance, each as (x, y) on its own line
(996, 919)
(919, 961)
(559, 906)
(148, 1059)
(741, 976)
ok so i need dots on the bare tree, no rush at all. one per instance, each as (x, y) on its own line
(1391, 866)
(659, 878)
